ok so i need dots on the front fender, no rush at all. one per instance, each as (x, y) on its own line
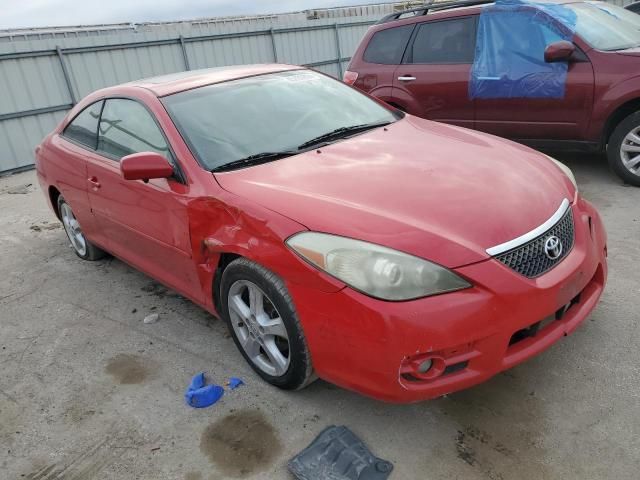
(611, 101)
(232, 224)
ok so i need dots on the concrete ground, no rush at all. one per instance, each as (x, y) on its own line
(87, 390)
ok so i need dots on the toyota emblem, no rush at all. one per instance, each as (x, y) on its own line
(553, 247)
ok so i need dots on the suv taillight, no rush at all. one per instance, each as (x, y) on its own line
(350, 77)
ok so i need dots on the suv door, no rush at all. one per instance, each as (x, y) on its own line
(380, 59)
(144, 223)
(522, 112)
(433, 80)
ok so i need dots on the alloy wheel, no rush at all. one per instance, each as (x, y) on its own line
(74, 232)
(259, 328)
(630, 151)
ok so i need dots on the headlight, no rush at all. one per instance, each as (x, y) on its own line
(374, 270)
(567, 171)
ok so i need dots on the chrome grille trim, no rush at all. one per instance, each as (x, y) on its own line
(531, 260)
(536, 232)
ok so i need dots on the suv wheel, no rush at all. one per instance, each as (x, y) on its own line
(623, 150)
(264, 325)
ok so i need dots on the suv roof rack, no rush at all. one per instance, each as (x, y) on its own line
(432, 6)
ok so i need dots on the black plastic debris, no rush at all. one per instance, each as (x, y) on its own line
(337, 454)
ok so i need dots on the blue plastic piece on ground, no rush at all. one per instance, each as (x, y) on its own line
(511, 39)
(196, 382)
(199, 395)
(235, 382)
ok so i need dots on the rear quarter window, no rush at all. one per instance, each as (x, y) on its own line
(387, 46)
(83, 129)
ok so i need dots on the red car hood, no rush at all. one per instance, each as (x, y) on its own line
(436, 191)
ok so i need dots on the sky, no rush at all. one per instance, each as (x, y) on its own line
(42, 13)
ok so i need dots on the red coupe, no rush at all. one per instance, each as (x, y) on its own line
(337, 236)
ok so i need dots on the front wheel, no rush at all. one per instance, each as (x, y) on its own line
(265, 327)
(623, 150)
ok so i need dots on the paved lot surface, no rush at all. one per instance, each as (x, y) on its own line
(87, 390)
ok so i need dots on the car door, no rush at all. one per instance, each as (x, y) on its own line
(433, 80)
(70, 157)
(380, 59)
(523, 103)
(144, 223)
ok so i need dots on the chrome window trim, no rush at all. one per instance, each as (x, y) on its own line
(536, 232)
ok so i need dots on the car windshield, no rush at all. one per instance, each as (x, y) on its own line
(254, 118)
(605, 26)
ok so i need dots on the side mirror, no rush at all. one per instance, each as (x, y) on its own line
(145, 166)
(561, 51)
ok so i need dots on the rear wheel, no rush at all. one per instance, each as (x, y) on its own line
(83, 247)
(265, 327)
(623, 149)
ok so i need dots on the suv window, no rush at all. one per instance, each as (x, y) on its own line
(387, 46)
(447, 41)
(127, 127)
(84, 128)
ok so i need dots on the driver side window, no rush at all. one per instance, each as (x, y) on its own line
(550, 35)
(127, 127)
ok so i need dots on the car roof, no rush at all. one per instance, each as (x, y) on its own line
(439, 9)
(177, 82)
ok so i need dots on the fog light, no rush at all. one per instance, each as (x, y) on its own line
(424, 366)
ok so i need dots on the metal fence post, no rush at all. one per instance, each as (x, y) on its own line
(67, 77)
(273, 45)
(184, 53)
(338, 50)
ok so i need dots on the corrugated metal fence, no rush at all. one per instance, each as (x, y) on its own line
(43, 73)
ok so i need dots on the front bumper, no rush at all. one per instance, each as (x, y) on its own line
(373, 347)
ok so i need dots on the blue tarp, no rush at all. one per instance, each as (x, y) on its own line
(511, 40)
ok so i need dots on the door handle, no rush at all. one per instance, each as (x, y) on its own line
(406, 78)
(94, 182)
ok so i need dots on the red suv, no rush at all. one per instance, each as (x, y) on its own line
(560, 76)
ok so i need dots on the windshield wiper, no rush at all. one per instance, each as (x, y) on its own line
(256, 159)
(341, 133)
(264, 157)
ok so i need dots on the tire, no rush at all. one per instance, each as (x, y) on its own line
(81, 246)
(252, 327)
(617, 158)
